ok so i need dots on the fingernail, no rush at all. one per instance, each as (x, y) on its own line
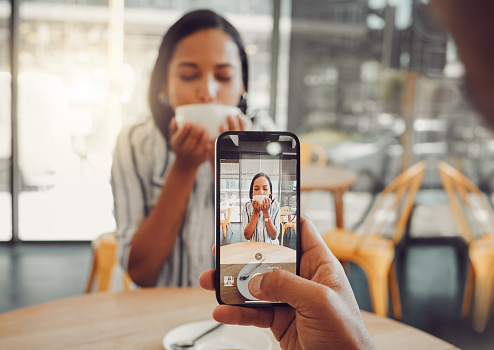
(255, 283)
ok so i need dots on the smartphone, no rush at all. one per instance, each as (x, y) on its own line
(257, 198)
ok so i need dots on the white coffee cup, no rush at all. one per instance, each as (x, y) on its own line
(259, 197)
(209, 116)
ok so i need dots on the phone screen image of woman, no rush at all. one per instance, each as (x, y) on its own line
(257, 210)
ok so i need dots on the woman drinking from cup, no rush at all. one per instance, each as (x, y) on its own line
(162, 174)
(261, 215)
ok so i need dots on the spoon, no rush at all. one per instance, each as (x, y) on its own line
(246, 275)
(190, 344)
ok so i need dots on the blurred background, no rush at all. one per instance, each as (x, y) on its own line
(377, 83)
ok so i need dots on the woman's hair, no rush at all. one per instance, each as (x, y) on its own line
(190, 23)
(251, 192)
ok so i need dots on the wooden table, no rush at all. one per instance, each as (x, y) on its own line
(328, 178)
(236, 256)
(245, 253)
(140, 319)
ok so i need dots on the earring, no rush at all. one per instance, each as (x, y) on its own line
(245, 95)
(163, 99)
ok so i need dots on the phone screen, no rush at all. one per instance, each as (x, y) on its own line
(257, 200)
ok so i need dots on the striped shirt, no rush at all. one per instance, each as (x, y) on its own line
(140, 166)
(141, 163)
(261, 233)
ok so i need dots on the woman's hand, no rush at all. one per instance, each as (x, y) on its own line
(257, 206)
(266, 204)
(191, 145)
(236, 123)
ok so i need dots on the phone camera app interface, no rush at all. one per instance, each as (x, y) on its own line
(258, 207)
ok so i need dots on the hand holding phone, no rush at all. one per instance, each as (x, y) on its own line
(257, 177)
(323, 312)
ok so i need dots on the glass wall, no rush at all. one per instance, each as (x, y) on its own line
(66, 120)
(5, 127)
(343, 67)
(378, 83)
(83, 74)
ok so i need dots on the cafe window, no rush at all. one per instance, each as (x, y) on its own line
(83, 74)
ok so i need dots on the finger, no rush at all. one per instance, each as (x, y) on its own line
(173, 126)
(283, 319)
(181, 134)
(223, 127)
(271, 286)
(259, 317)
(200, 147)
(212, 144)
(231, 123)
(195, 135)
(241, 123)
(312, 238)
(206, 279)
(208, 148)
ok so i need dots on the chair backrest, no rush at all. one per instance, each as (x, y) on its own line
(104, 262)
(284, 218)
(225, 214)
(396, 200)
(312, 153)
(464, 196)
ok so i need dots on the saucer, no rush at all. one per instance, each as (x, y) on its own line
(243, 286)
(226, 337)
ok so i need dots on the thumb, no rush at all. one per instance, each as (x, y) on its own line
(282, 286)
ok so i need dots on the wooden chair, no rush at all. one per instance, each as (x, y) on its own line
(372, 251)
(285, 225)
(225, 220)
(312, 153)
(474, 221)
(104, 251)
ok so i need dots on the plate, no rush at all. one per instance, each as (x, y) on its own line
(243, 286)
(226, 337)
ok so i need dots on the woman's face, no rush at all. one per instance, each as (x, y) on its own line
(261, 186)
(205, 68)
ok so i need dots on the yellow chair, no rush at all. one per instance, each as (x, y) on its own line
(286, 225)
(104, 251)
(310, 152)
(372, 251)
(225, 220)
(467, 202)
